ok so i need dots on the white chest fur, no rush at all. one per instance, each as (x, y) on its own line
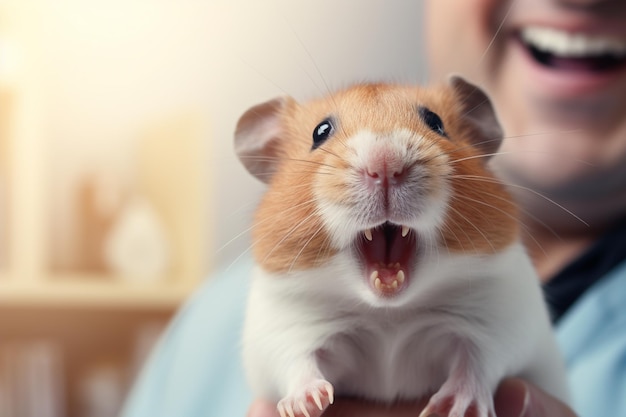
(324, 323)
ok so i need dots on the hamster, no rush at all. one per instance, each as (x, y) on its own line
(389, 263)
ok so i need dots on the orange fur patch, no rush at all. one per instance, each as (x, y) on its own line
(288, 231)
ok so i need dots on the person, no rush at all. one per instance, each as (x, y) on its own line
(556, 72)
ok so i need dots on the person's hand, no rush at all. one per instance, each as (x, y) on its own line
(518, 398)
(343, 407)
(514, 398)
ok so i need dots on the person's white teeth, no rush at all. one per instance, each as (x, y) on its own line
(570, 44)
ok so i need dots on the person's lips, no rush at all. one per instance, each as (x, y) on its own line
(572, 64)
(573, 51)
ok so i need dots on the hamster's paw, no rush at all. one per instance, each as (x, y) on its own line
(309, 401)
(460, 400)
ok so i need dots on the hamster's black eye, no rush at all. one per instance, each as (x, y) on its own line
(322, 132)
(432, 120)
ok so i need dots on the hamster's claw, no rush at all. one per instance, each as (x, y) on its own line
(459, 401)
(310, 401)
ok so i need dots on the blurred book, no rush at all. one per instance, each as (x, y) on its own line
(31, 380)
(4, 234)
(5, 149)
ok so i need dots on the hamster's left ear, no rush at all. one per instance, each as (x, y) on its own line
(258, 137)
(477, 115)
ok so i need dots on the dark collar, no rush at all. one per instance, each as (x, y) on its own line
(570, 284)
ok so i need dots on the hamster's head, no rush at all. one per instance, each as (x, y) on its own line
(375, 174)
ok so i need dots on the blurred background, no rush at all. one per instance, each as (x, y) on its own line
(119, 190)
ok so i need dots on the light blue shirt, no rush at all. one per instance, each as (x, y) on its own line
(196, 369)
(592, 336)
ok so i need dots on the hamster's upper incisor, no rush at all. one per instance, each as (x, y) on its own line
(389, 261)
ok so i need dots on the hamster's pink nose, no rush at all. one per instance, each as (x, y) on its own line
(385, 175)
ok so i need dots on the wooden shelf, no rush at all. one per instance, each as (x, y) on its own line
(93, 291)
(68, 176)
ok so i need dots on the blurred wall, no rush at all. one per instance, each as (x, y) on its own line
(102, 71)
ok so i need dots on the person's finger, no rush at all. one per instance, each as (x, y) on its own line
(517, 398)
(353, 407)
(511, 398)
(261, 408)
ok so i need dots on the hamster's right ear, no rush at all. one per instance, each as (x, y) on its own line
(257, 136)
(478, 115)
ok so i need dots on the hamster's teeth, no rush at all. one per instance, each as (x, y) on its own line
(392, 286)
(374, 275)
(405, 231)
(368, 234)
(378, 284)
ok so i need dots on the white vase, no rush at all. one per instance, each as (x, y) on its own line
(137, 247)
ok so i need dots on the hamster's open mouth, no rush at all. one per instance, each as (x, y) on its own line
(387, 253)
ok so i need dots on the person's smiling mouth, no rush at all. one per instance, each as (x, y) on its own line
(562, 50)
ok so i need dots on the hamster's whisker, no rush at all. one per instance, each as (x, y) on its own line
(522, 136)
(432, 158)
(268, 219)
(320, 171)
(288, 234)
(310, 77)
(521, 187)
(450, 229)
(497, 33)
(509, 215)
(313, 61)
(475, 227)
(326, 243)
(271, 159)
(439, 154)
(263, 75)
(270, 174)
(464, 115)
(523, 211)
(325, 149)
(445, 227)
(260, 239)
(233, 239)
(484, 155)
(489, 155)
(555, 132)
(430, 145)
(313, 235)
(283, 213)
(238, 258)
(475, 145)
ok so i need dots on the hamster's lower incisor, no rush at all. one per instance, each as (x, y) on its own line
(389, 261)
